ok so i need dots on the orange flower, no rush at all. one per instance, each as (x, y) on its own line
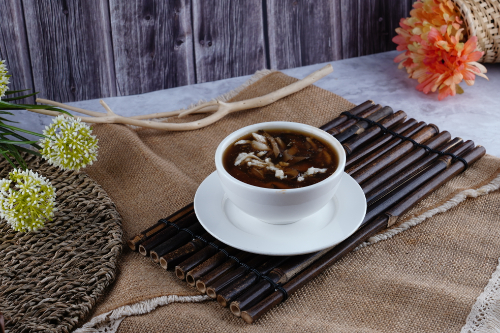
(434, 53)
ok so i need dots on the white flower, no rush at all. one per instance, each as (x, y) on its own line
(4, 79)
(27, 200)
(70, 144)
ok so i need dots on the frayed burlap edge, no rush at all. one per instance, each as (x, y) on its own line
(484, 314)
(256, 77)
(110, 321)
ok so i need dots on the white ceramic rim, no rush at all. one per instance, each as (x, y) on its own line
(288, 125)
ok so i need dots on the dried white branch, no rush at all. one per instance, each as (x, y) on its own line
(169, 114)
(213, 104)
(69, 107)
(221, 108)
(107, 108)
(46, 112)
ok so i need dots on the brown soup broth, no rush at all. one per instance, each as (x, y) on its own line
(280, 159)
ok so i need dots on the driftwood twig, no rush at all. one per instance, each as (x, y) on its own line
(220, 109)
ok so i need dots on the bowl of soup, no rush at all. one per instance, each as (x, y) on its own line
(280, 172)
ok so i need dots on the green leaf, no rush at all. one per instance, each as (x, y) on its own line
(10, 153)
(10, 92)
(5, 112)
(459, 89)
(19, 97)
(29, 151)
(18, 142)
(23, 130)
(9, 132)
(10, 121)
(10, 106)
(17, 156)
(3, 153)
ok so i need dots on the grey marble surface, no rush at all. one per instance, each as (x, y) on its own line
(473, 115)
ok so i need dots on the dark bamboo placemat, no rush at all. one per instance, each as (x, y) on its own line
(397, 161)
(52, 278)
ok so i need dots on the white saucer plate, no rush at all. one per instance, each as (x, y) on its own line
(339, 219)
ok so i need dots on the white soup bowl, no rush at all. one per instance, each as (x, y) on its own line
(279, 206)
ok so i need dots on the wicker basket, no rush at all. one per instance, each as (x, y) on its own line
(482, 19)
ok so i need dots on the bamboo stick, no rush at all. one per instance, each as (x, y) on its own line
(201, 283)
(408, 128)
(401, 192)
(361, 125)
(348, 123)
(340, 119)
(169, 260)
(428, 188)
(252, 314)
(406, 161)
(175, 242)
(230, 292)
(166, 234)
(148, 233)
(397, 178)
(392, 155)
(226, 279)
(281, 274)
(374, 131)
(345, 125)
(196, 259)
(197, 271)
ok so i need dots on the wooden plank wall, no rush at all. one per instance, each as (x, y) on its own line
(152, 45)
(303, 32)
(72, 50)
(228, 38)
(14, 46)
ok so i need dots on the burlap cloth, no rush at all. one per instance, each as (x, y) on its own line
(425, 279)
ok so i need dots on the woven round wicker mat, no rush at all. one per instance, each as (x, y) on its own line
(51, 279)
